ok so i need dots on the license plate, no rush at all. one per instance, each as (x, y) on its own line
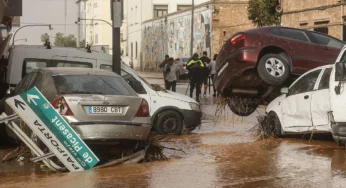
(222, 69)
(105, 110)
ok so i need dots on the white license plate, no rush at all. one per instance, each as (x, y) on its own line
(222, 69)
(105, 110)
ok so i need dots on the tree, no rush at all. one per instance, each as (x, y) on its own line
(44, 37)
(263, 13)
(82, 43)
(68, 41)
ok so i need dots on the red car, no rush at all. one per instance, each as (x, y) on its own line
(252, 61)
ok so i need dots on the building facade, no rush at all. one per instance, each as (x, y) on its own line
(214, 22)
(139, 11)
(99, 33)
(326, 16)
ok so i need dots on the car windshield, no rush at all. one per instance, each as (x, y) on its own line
(92, 84)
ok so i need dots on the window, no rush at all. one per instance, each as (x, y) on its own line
(183, 7)
(324, 83)
(305, 84)
(322, 30)
(160, 10)
(275, 31)
(136, 51)
(61, 63)
(92, 84)
(133, 82)
(22, 85)
(326, 40)
(294, 34)
(131, 49)
(32, 64)
(106, 67)
(96, 38)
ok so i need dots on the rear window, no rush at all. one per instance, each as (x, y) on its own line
(106, 67)
(294, 34)
(92, 84)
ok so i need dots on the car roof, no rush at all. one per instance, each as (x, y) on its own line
(78, 71)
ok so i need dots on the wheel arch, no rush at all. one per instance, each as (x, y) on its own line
(163, 109)
(279, 115)
(276, 50)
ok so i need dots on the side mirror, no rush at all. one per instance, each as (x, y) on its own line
(9, 93)
(340, 71)
(284, 90)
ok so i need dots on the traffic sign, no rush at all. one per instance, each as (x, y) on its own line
(36, 111)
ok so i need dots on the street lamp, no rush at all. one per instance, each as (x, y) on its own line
(79, 19)
(37, 25)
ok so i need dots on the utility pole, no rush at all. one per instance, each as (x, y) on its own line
(192, 22)
(65, 16)
(117, 18)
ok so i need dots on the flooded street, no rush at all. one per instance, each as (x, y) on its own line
(222, 154)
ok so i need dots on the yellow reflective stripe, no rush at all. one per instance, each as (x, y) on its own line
(202, 64)
(191, 62)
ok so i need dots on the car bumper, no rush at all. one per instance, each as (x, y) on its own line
(232, 68)
(339, 131)
(115, 130)
(192, 118)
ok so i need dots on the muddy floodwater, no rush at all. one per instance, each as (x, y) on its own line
(216, 155)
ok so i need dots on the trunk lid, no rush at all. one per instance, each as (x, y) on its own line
(88, 107)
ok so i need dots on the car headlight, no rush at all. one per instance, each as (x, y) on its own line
(194, 106)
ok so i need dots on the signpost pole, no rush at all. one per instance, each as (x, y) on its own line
(117, 16)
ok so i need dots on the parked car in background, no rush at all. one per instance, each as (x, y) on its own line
(181, 62)
(99, 105)
(315, 102)
(253, 62)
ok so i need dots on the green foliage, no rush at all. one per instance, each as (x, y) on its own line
(82, 43)
(263, 13)
(44, 37)
(68, 41)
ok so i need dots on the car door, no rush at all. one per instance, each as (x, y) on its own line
(320, 103)
(326, 48)
(299, 48)
(296, 108)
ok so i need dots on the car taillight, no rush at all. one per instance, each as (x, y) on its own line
(237, 38)
(143, 110)
(62, 107)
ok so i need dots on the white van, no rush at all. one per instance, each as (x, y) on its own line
(170, 111)
(315, 102)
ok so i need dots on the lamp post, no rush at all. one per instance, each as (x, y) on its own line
(79, 19)
(192, 22)
(38, 25)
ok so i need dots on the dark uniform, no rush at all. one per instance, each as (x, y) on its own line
(197, 74)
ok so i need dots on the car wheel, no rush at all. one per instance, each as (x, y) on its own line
(242, 106)
(274, 124)
(273, 69)
(169, 122)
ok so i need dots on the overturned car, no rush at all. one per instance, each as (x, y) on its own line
(253, 65)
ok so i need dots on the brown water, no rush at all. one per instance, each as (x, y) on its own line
(221, 155)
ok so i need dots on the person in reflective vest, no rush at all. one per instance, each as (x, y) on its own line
(196, 72)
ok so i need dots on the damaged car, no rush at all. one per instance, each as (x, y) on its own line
(315, 102)
(251, 64)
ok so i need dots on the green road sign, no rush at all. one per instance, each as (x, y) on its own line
(53, 130)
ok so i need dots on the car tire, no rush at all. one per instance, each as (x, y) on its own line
(242, 106)
(273, 69)
(169, 122)
(274, 124)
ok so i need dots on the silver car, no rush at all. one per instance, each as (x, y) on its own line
(98, 104)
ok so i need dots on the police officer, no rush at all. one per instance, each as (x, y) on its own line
(196, 71)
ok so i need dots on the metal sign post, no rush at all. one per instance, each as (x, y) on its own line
(40, 116)
(117, 17)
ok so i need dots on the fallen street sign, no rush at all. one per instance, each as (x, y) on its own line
(36, 111)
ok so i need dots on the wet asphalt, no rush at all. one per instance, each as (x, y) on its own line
(222, 152)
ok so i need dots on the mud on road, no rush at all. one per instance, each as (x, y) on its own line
(217, 155)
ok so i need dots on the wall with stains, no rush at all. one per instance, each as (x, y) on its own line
(172, 34)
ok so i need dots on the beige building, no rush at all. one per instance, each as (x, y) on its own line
(99, 33)
(214, 22)
(326, 16)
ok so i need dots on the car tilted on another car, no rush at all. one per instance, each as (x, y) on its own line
(254, 61)
(99, 105)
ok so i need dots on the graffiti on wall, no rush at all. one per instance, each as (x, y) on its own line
(173, 36)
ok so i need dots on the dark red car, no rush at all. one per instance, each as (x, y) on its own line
(252, 61)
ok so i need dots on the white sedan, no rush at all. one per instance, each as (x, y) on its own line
(305, 106)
